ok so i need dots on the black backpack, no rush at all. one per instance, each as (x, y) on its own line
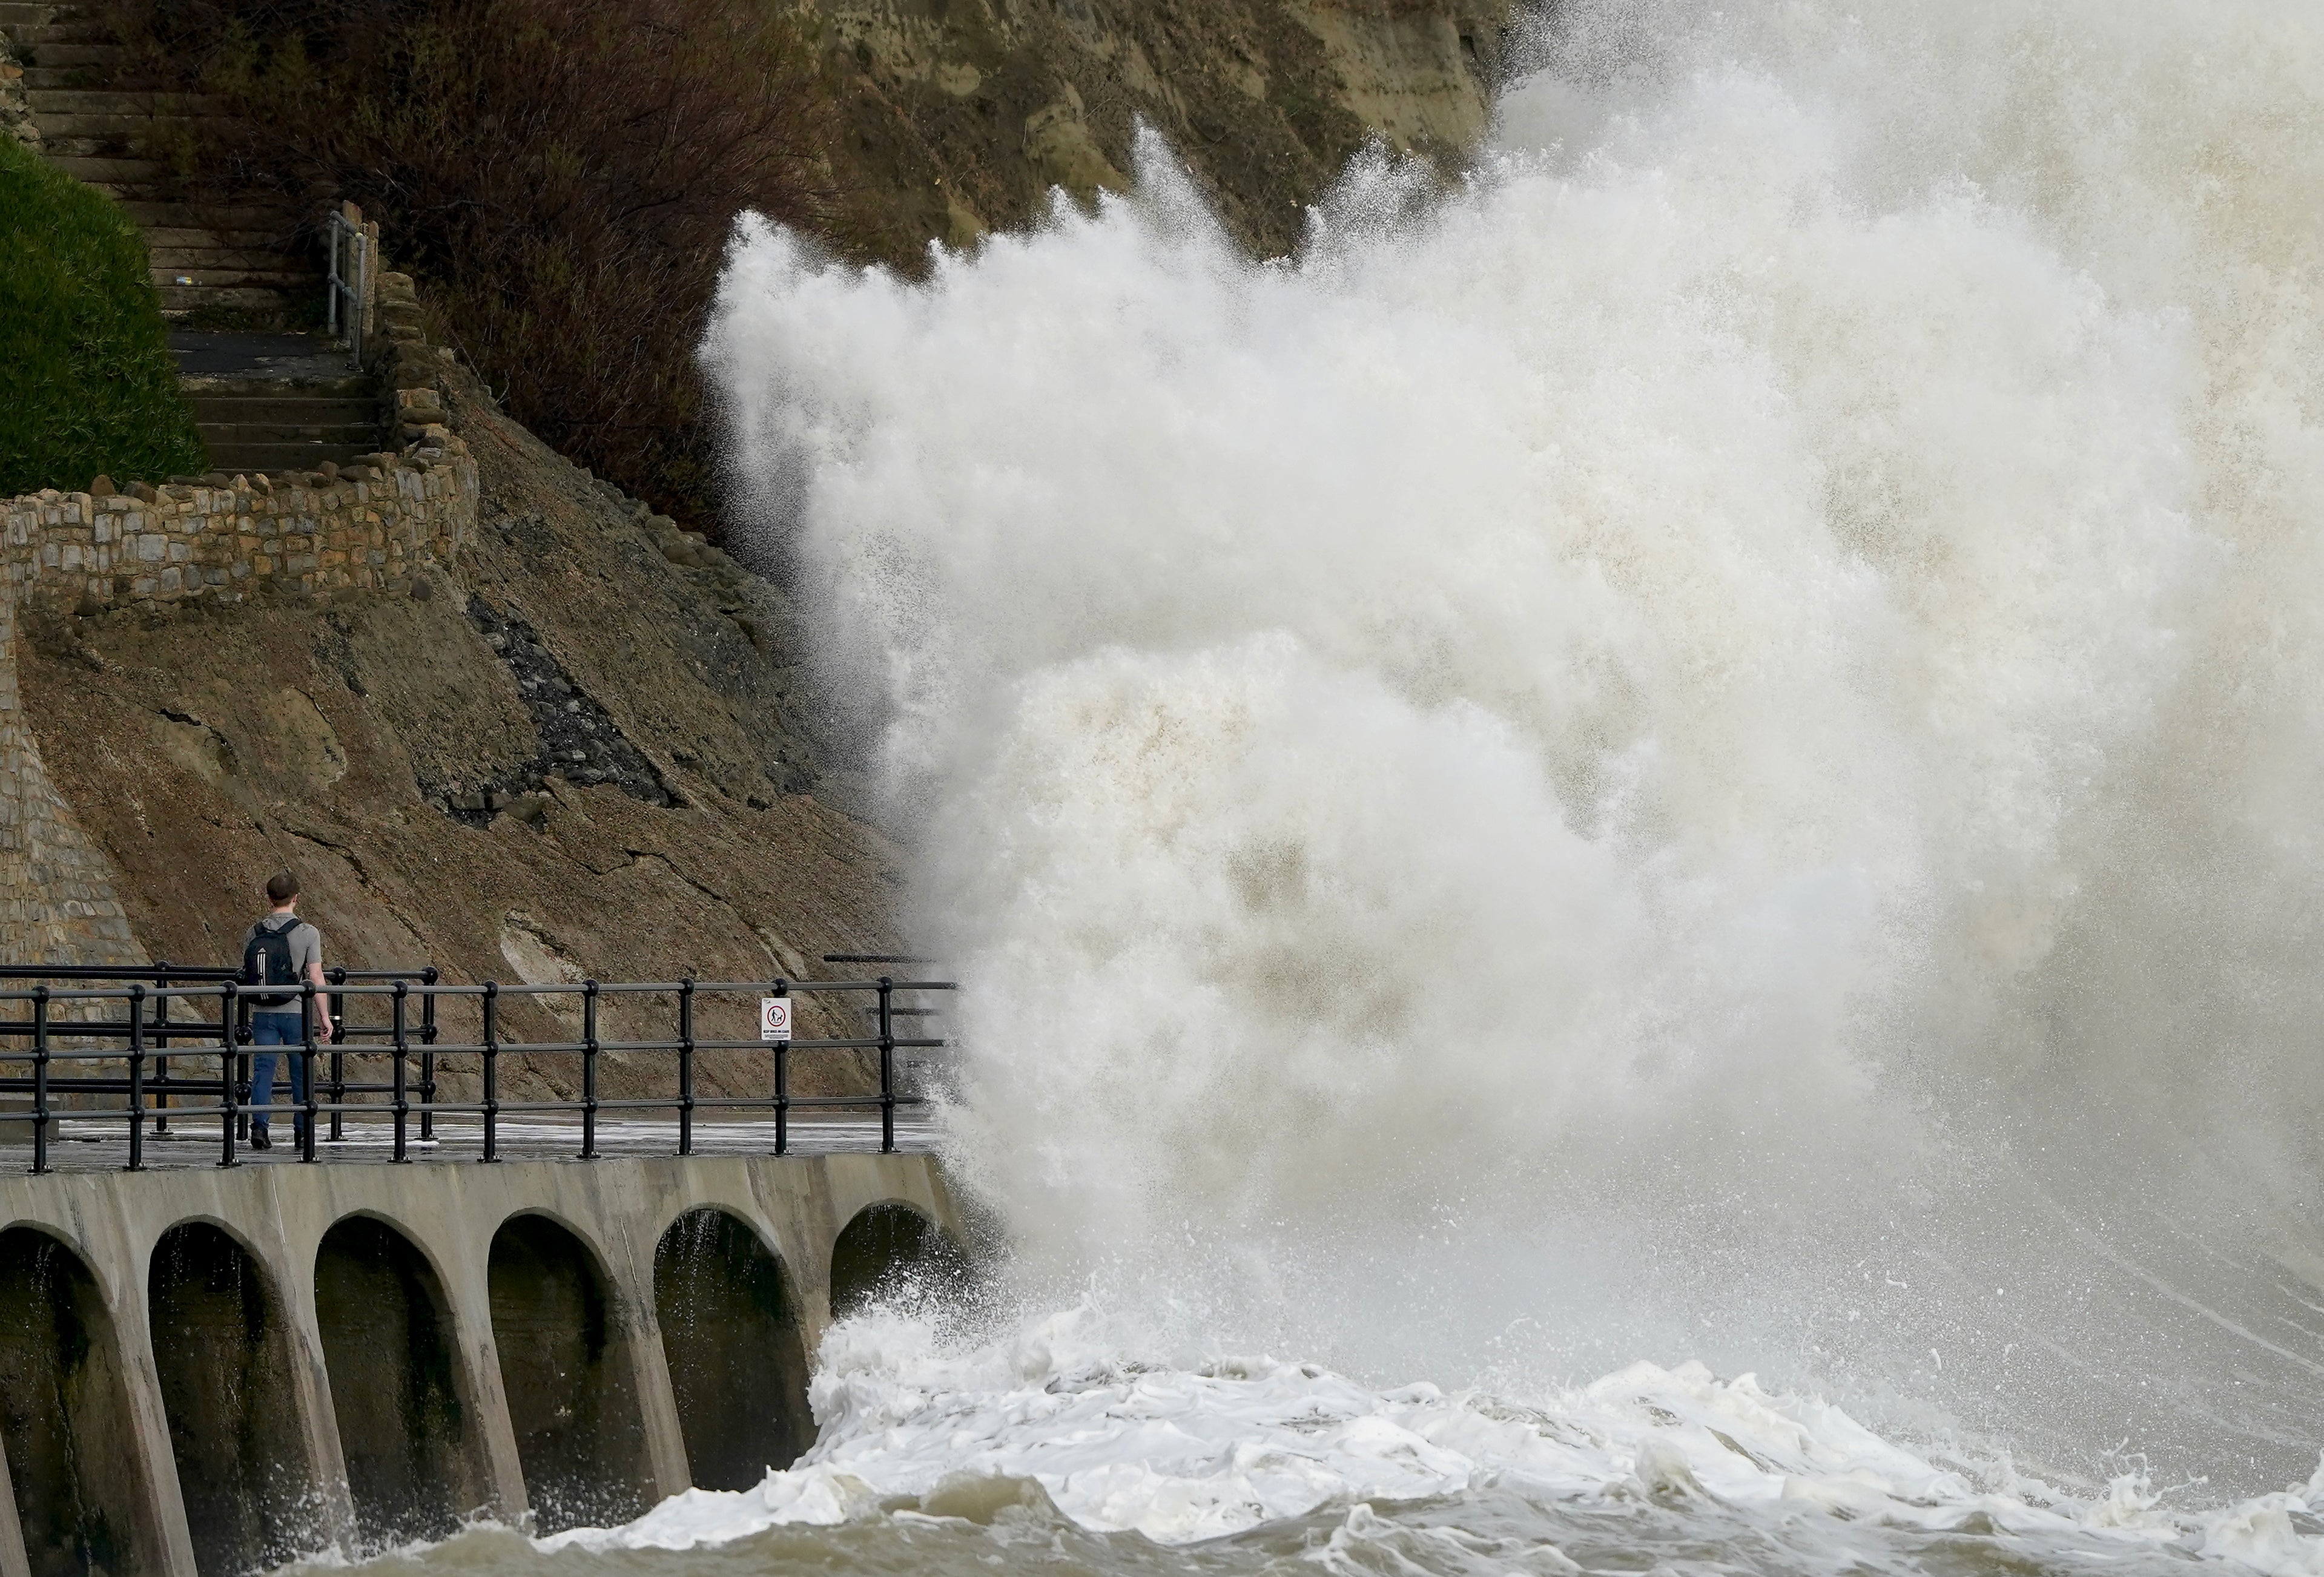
(266, 961)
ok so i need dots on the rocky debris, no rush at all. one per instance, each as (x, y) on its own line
(580, 743)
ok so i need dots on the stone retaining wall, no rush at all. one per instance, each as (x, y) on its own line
(16, 108)
(365, 527)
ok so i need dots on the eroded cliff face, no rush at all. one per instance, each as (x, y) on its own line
(960, 115)
(563, 755)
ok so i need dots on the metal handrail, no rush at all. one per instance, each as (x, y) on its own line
(350, 282)
(222, 1033)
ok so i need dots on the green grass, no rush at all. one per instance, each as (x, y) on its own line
(87, 385)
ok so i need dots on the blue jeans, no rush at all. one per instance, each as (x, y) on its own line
(278, 1029)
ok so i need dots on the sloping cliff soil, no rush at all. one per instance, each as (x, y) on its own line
(564, 755)
(951, 117)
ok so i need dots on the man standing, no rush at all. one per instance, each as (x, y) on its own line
(282, 951)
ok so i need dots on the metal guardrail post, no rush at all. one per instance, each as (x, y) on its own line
(161, 1052)
(427, 977)
(887, 1066)
(338, 1064)
(307, 1054)
(402, 1052)
(226, 1050)
(40, 1079)
(137, 1077)
(492, 1071)
(686, 1066)
(310, 1020)
(783, 1085)
(347, 277)
(589, 1070)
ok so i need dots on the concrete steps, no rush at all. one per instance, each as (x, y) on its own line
(102, 101)
(63, 57)
(248, 303)
(265, 401)
(207, 265)
(109, 170)
(218, 265)
(38, 36)
(275, 402)
(174, 221)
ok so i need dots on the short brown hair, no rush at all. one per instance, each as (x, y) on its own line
(282, 888)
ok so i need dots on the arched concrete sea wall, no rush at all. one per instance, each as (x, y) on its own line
(207, 1371)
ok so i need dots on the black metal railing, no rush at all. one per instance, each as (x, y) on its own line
(107, 1032)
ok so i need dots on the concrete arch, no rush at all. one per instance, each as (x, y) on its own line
(92, 1260)
(406, 1420)
(890, 1248)
(410, 1232)
(731, 1335)
(69, 1436)
(569, 1375)
(223, 1354)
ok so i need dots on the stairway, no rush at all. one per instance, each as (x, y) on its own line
(224, 270)
(234, 288)
(276, 403)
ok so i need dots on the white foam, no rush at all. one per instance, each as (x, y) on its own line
(1703, 746)
(1183, 1454)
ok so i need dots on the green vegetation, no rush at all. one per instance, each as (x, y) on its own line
(87, 386)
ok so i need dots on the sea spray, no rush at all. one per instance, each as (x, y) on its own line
(1700, 745)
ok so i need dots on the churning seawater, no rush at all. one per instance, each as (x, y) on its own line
(1698, 759)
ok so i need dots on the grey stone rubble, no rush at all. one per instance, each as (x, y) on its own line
(580, 741)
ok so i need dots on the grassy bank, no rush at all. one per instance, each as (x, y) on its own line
(87, 385)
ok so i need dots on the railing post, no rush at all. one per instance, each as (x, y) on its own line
(228, 1111)
(137, 1076)
(310, 1020)
(492, 1070)
(161, 1052)
(887, 1066)
(308, 1053)
(39, 1078)
(339, 1068)
(402, 1051)
(428, 977)
(783, 1085)
(589, 1070)
(686, 1066)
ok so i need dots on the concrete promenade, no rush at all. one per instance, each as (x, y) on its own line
(86, 1142)
(208, 1369)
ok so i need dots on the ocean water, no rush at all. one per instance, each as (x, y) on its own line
(1637, 846)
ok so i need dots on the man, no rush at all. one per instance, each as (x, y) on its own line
(282, 951)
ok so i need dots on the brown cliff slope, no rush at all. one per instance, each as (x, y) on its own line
(564, 754)
(953, 117)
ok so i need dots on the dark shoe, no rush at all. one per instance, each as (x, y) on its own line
(259, 1141)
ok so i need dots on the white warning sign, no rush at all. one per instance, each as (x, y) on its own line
(774, 1018)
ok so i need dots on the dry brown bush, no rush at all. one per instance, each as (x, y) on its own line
(560, 174)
